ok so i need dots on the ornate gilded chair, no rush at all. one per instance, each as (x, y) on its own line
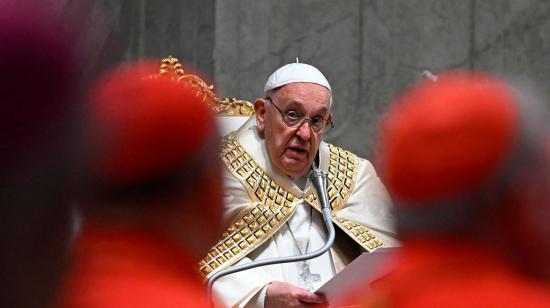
(231, 112)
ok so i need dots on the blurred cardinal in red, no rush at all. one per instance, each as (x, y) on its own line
(154, 204)
(40, 133)
(466, 169)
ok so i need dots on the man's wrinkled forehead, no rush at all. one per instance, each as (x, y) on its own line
(298, 94)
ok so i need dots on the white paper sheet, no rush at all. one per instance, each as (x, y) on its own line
(367, 267)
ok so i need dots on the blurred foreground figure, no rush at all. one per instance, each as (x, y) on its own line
(155, 205)
(463, 160)
(39, 111)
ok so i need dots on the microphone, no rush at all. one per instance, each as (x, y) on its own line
(319, 180)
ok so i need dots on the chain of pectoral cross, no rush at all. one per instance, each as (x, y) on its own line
(305, 273)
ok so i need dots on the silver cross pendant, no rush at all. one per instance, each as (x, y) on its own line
(309, 278)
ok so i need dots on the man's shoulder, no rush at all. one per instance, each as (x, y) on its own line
(233, 152)
(336, 152)
(335, 149)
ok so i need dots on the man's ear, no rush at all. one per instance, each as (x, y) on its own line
(259, 108)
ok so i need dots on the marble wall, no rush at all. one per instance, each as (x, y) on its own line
(123, 30)
(370, 50)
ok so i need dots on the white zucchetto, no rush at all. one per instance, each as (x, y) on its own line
(296, 72)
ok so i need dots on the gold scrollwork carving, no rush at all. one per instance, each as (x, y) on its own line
(170, 67)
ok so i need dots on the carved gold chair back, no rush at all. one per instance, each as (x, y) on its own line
(231, 112)
(170, 67)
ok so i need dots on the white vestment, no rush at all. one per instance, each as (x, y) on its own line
(366, 207)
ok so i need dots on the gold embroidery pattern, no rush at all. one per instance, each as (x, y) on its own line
(342, 171)
(256, 224)
(361, 234)
(275, 205)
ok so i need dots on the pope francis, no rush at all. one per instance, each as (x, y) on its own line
(272, 210)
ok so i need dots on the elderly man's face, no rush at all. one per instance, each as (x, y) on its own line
(292, 149)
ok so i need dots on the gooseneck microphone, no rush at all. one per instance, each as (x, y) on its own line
(319, 180)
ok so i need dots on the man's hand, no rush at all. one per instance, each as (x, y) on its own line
(282, 294)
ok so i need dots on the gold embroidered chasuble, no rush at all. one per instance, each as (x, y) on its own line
(271, 205)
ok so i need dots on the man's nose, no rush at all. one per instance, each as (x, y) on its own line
(304, 131)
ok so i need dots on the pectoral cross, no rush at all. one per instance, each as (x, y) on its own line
(309, 278)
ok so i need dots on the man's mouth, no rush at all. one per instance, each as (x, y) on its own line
(296, 152)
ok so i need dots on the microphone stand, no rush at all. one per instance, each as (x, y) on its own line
(319, 180)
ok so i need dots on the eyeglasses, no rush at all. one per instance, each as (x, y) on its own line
(295, 119)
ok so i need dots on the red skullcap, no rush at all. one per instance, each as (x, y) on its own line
(145, 126)
(443, 138)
